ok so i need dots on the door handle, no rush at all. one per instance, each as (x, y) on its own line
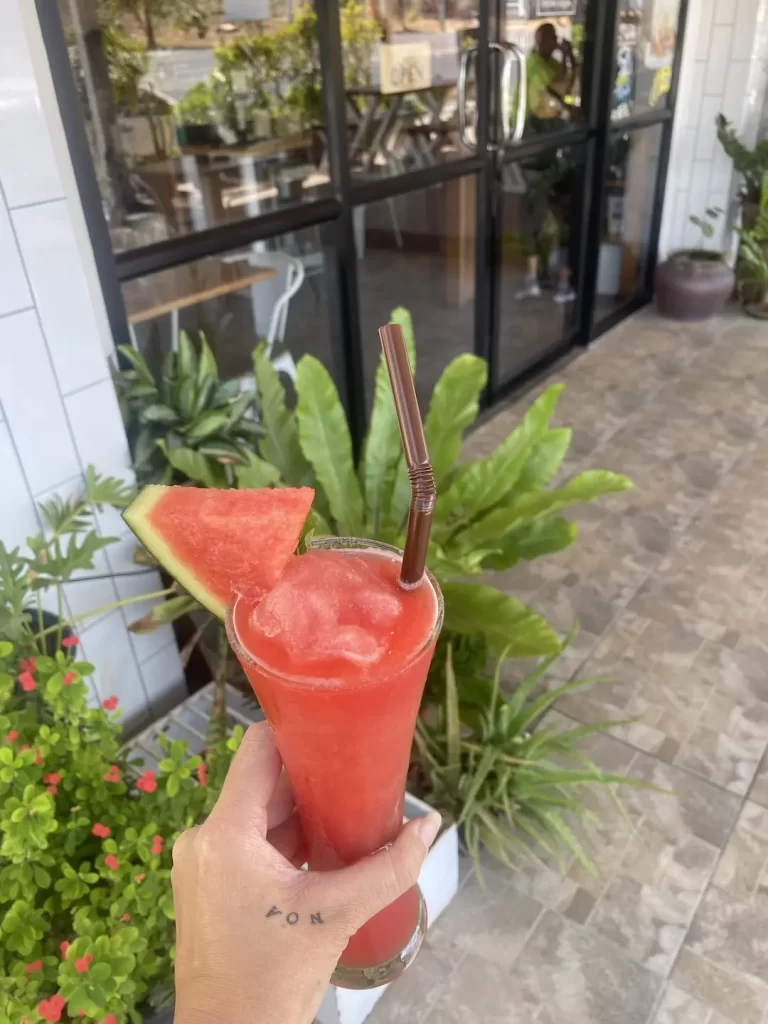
(513, 54)
(467, 58)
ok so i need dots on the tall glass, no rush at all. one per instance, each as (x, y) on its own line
(346, 746)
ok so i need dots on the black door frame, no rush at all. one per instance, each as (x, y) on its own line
(336, 211)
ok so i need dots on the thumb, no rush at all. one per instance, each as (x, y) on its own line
(365, 888)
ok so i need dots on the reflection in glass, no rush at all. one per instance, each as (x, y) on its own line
(274, 291)
(626, 222)
(418, 250)
(198, 113)
(401, 68)
(646, 38)
(551, 35)
(539, 271)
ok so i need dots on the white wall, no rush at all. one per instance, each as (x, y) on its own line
(725, 55)
(58, 411)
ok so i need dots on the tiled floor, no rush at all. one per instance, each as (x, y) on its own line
(670, 585)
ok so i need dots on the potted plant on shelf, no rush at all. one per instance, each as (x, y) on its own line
(694, 284)
(194, 116)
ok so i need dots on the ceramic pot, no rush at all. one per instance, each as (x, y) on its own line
(693, 284)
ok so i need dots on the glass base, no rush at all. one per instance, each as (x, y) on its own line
(382, 974)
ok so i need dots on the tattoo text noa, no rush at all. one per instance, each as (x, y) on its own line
(292, 917)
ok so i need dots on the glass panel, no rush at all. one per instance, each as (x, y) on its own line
(550, 34)
(646, 38)
(275, 290)
(401, 68)
(542, 201)
(633, 162)
(418, 250)
(198, 114)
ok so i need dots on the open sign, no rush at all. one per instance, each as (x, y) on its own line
(405, 67)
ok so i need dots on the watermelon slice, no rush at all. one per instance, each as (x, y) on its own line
(215, 542)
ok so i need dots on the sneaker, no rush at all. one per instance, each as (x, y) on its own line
(563, 292)
(530, 288)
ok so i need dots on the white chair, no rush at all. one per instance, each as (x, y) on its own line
(271, 299)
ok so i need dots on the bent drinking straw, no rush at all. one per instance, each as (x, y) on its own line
(423, 490)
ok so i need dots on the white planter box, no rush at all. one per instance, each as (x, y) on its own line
(439, 878)
(439, 881)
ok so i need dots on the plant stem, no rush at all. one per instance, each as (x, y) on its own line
(108, 608)
(40, 618)
(220, 693)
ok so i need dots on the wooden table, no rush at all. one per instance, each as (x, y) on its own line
(179, 287)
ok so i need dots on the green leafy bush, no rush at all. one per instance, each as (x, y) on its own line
(185, 418)
(86, 910)
(514, 784)
(86, 914)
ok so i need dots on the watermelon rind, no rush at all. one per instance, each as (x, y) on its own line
(137, 517)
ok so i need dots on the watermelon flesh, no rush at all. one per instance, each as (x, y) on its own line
(216, 542)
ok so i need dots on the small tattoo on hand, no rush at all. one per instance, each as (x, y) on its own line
(273, 911)
(317, 919)
(292, 918)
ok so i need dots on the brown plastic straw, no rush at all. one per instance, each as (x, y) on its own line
(423, 492)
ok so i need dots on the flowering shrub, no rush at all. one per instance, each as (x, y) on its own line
(86, 912)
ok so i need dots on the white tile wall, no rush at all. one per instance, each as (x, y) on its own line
(58, 410)
(47, 242)
(723, 70)
(14, 290)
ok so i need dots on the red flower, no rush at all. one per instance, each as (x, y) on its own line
(64, 946)
(113, 775)
(27, 682)
(38, 757)
(112, 862)
(70, 641)
(53, 777)
(36, 965)
(27, 664)
(53, 790)
(157, 845)
(126, 917)
(202, 774)
(110, 1019)
(102, 831)
(83, 963)
(147, 783)
(12, 735)
(51, 1009)
(69, 678)
(109, 704)
(23, 747)
(140, 878)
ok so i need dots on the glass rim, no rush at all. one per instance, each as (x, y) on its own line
(349, 544)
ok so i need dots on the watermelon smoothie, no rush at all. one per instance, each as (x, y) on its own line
(337, 654)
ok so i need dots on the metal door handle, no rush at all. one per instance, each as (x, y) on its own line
(513, 54)
(466, 59)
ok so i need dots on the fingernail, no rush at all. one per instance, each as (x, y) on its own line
(428, 827)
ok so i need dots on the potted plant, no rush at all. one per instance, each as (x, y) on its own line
(694, 284)
(194, 115)
(751, 164)
(752, 268)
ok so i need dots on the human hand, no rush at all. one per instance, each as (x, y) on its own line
(239, 961)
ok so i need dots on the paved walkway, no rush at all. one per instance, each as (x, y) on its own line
(670, 585)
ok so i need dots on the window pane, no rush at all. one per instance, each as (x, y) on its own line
(198, 114)
(275, 290)
(626, 223)
(401, 69)
(550, 35)
(418, 250)
(646, 38)
(540, 244)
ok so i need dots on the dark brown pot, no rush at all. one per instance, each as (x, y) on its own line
(693, 285)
